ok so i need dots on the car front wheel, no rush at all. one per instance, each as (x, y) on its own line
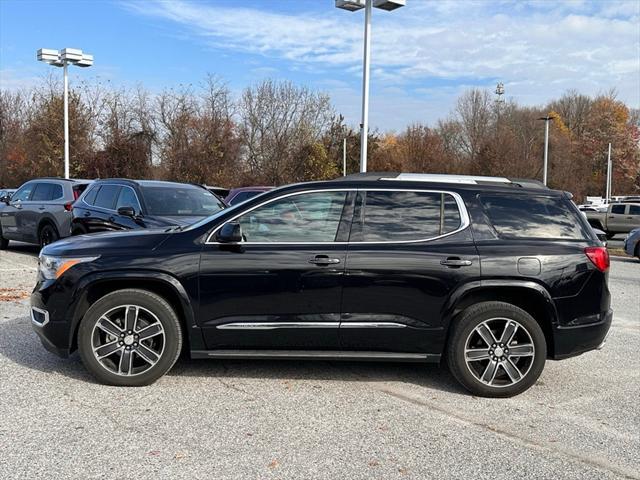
(129, 338)
(496, 350)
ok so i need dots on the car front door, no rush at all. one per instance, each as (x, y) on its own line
(127, 198)
(280, 287)
(616, 218)
(407, 251)
(11, 216)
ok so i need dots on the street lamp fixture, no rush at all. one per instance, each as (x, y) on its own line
(353, 6)
(63, 58)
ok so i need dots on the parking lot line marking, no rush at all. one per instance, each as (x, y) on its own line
(594, 461)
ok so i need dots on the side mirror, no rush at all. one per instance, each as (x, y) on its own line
(230, 233)
(127, 212)
(6, 199)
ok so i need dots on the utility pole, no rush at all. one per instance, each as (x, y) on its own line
(609, 179)
(546, 119)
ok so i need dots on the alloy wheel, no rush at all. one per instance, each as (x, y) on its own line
(499, 352)
(128, 340)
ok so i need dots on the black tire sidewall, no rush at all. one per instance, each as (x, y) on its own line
(467, 321)
(4, 242)
(54, 234)
(148, 300)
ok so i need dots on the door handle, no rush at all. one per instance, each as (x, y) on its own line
(324, 260)
(40, 208)
(112, 219)
(87, 214)
(455, 262)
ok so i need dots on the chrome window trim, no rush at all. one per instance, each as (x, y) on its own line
(41, 311)
(462, 209)
(275, 325)
(372, 325)
(109, 209)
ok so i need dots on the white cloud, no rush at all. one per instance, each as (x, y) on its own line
(538, 48)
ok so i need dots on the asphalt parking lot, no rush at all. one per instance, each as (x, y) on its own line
(270, 419)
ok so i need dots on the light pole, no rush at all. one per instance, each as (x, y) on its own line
(352, 6)
(609, 173)
(63, 58)
(546, 119)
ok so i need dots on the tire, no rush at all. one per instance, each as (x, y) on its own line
(638, 250)
(47, 234)
(489, 372)
(610, 235)
(4, 243)
(148, 359)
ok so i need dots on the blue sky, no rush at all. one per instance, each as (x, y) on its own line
(424, 55)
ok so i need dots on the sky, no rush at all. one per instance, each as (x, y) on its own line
(423, 55)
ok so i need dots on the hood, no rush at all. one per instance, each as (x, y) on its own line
(122, 242)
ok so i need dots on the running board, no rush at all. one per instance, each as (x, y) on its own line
(317, 355)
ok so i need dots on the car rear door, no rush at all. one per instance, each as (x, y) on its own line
(633, 217)
(408, 250)
(281, 287)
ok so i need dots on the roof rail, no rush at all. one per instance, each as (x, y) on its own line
(444, 178)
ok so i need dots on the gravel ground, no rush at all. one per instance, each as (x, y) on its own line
(269, 419)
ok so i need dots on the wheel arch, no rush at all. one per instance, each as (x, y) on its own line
(527, 295)
(94, 287)
(47, 219)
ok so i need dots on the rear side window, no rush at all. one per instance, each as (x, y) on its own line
(619, 209)
(405, 216)
(42, 192)
(533, 217)
(242, 197)
(634, 210)
(106, 197)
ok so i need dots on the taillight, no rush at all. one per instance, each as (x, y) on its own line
(599, 256)
(68, 206)
(76, 194)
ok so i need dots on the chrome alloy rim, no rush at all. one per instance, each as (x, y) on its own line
(128, 340)
(499, 352)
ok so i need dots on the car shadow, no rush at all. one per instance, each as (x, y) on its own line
(19, 344)
(25, 248)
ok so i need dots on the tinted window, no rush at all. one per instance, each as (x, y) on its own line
(106, 197)
(242, 197)
(90, 197)
(176, 201)
(533, 217)
(634, 210)
(127, 198)
(308, 217)
(56, 191)
(23, 193)
(42, 192)
(618, 209)
(405, 216)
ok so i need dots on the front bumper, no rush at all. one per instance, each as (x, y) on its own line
(570, 341)
(52, 324)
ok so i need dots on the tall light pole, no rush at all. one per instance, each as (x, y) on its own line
(352, 6)
(63, 58)
(609, 173)
(546, 119)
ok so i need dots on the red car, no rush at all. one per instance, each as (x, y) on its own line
(242, 194)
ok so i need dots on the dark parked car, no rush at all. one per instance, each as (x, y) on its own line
(5, 194)
(632, 243)
(483, 274)
(242, 194)
(40, 211)
(118, 204)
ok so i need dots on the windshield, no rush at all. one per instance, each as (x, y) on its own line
(187, 201)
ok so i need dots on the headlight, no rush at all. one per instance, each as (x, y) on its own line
(52, 267)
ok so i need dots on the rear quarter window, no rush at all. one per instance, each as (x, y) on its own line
(533, 217)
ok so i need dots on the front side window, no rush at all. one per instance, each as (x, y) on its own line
(304, 218)
(533, 217)
(388, 216)
(127, 198)
(619, 209)
(22, 195)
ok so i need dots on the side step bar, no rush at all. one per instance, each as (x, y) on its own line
(317, 355)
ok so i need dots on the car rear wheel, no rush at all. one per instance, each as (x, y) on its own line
(496, 350)
(48, 234)
(129, 338)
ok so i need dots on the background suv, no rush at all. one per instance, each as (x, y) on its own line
(491, 277)
(40, 211)
(119, 204)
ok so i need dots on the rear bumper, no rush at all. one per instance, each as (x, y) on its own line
(574, 340)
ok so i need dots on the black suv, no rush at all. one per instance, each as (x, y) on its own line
(487, 275)
(120, 204)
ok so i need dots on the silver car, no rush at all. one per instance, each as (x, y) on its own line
(632, 243)
(40, 211)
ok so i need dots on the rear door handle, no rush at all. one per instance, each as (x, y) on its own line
(324, 260)
(87, 214)
(455, 262)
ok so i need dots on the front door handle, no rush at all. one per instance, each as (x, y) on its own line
(87, 214)
(40, 208)
(324, 260)
(455, 262)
